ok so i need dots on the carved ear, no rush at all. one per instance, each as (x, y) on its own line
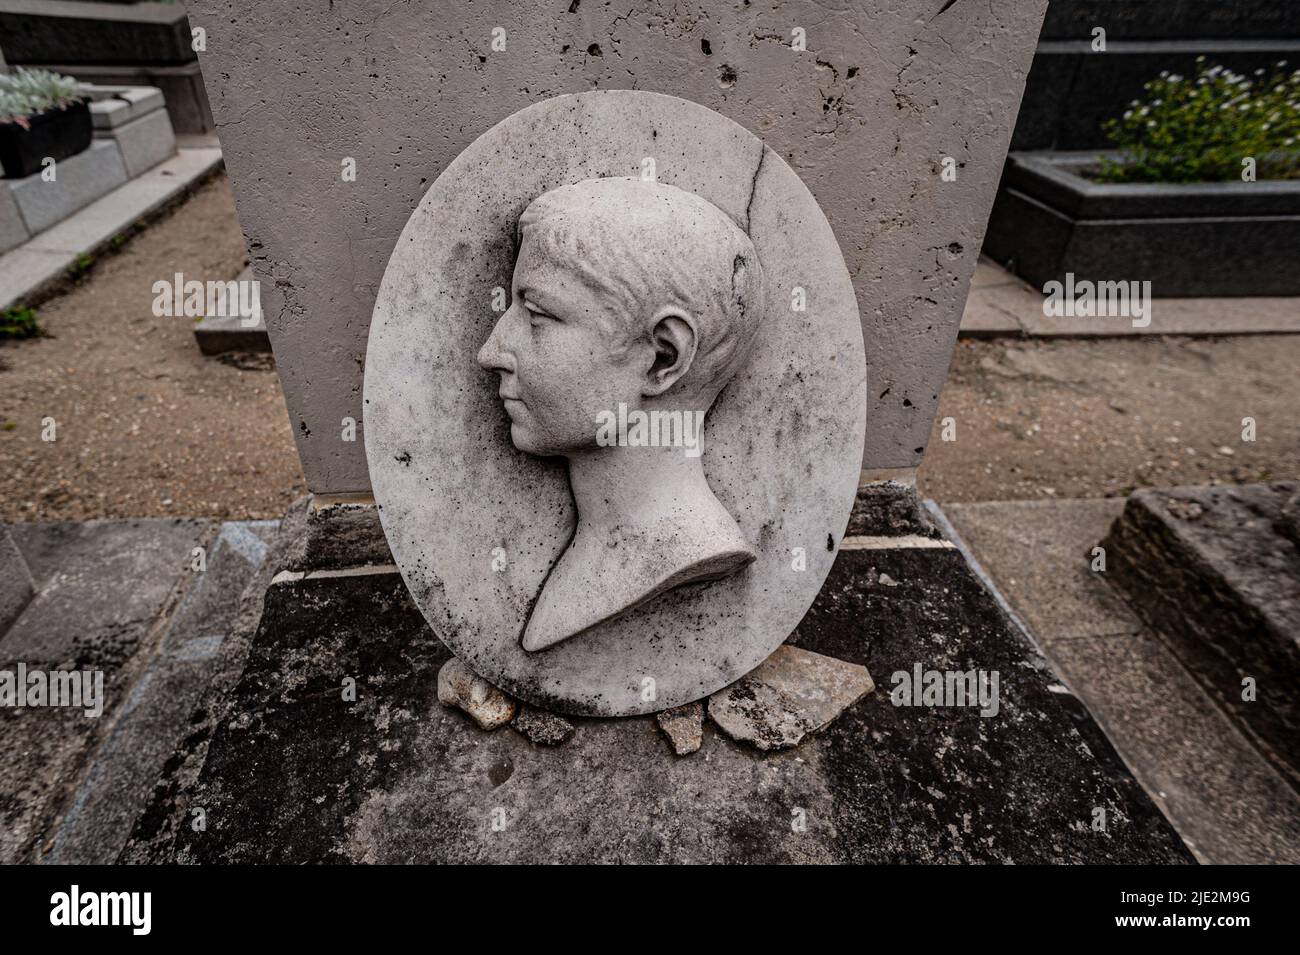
(674, 342)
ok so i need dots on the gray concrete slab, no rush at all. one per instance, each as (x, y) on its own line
(1039, 554)
(984, 318)
(1227, 802)
(1001, 304)
(1225, 799)
(103, 588)
(391, 775)
(95, 577)
(155, 717)
(26, 269)
(988, 274)
(1178, 316)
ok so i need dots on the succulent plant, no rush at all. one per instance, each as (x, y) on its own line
(25, 93)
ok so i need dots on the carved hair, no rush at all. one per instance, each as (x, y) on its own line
(646, 246)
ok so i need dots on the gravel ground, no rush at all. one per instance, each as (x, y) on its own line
(1074, 418)
(145, 425)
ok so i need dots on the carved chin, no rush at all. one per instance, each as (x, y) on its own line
(527, 440)
(521, 439)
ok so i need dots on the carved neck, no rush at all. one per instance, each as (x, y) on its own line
(635, 486)
(647, 522)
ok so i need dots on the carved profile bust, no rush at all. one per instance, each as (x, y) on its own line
(633, 304)
(592, 547)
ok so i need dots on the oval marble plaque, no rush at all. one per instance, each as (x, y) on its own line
(476, 525)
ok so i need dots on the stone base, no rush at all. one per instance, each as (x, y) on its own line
(889, 507)
(1213, 571)
(331, 746)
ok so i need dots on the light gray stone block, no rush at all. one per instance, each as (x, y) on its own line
(143, 99)
(13, 231)
(116, 104)
(218, 334)
(145, 142)
(116, 212)
(107, 113)
(81, 179)
(866, 115)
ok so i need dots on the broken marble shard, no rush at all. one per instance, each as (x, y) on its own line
(789, 695)
(542, 727)
(684, 727)
(460, 687)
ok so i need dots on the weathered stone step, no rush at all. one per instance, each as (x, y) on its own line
(131, 600)
(1213, 571)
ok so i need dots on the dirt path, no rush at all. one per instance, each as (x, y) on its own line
(1072, 418)
(145, 425)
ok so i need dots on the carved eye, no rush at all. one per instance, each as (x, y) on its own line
(536, 313)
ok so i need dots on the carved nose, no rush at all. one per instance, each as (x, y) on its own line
(493, 355)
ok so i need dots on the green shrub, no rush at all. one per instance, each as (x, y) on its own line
(1200, 129)
(25, 92)
(19, 323)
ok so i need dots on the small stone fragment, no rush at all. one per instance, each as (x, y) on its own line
(1184, 510)
(460, 687)
(789, 695)
(684, 727)
(542, 727)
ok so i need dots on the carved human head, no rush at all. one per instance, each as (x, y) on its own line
(624, 291)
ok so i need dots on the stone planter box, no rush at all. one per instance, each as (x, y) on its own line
(131, 134)
(56, 133)
(1200, 239)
